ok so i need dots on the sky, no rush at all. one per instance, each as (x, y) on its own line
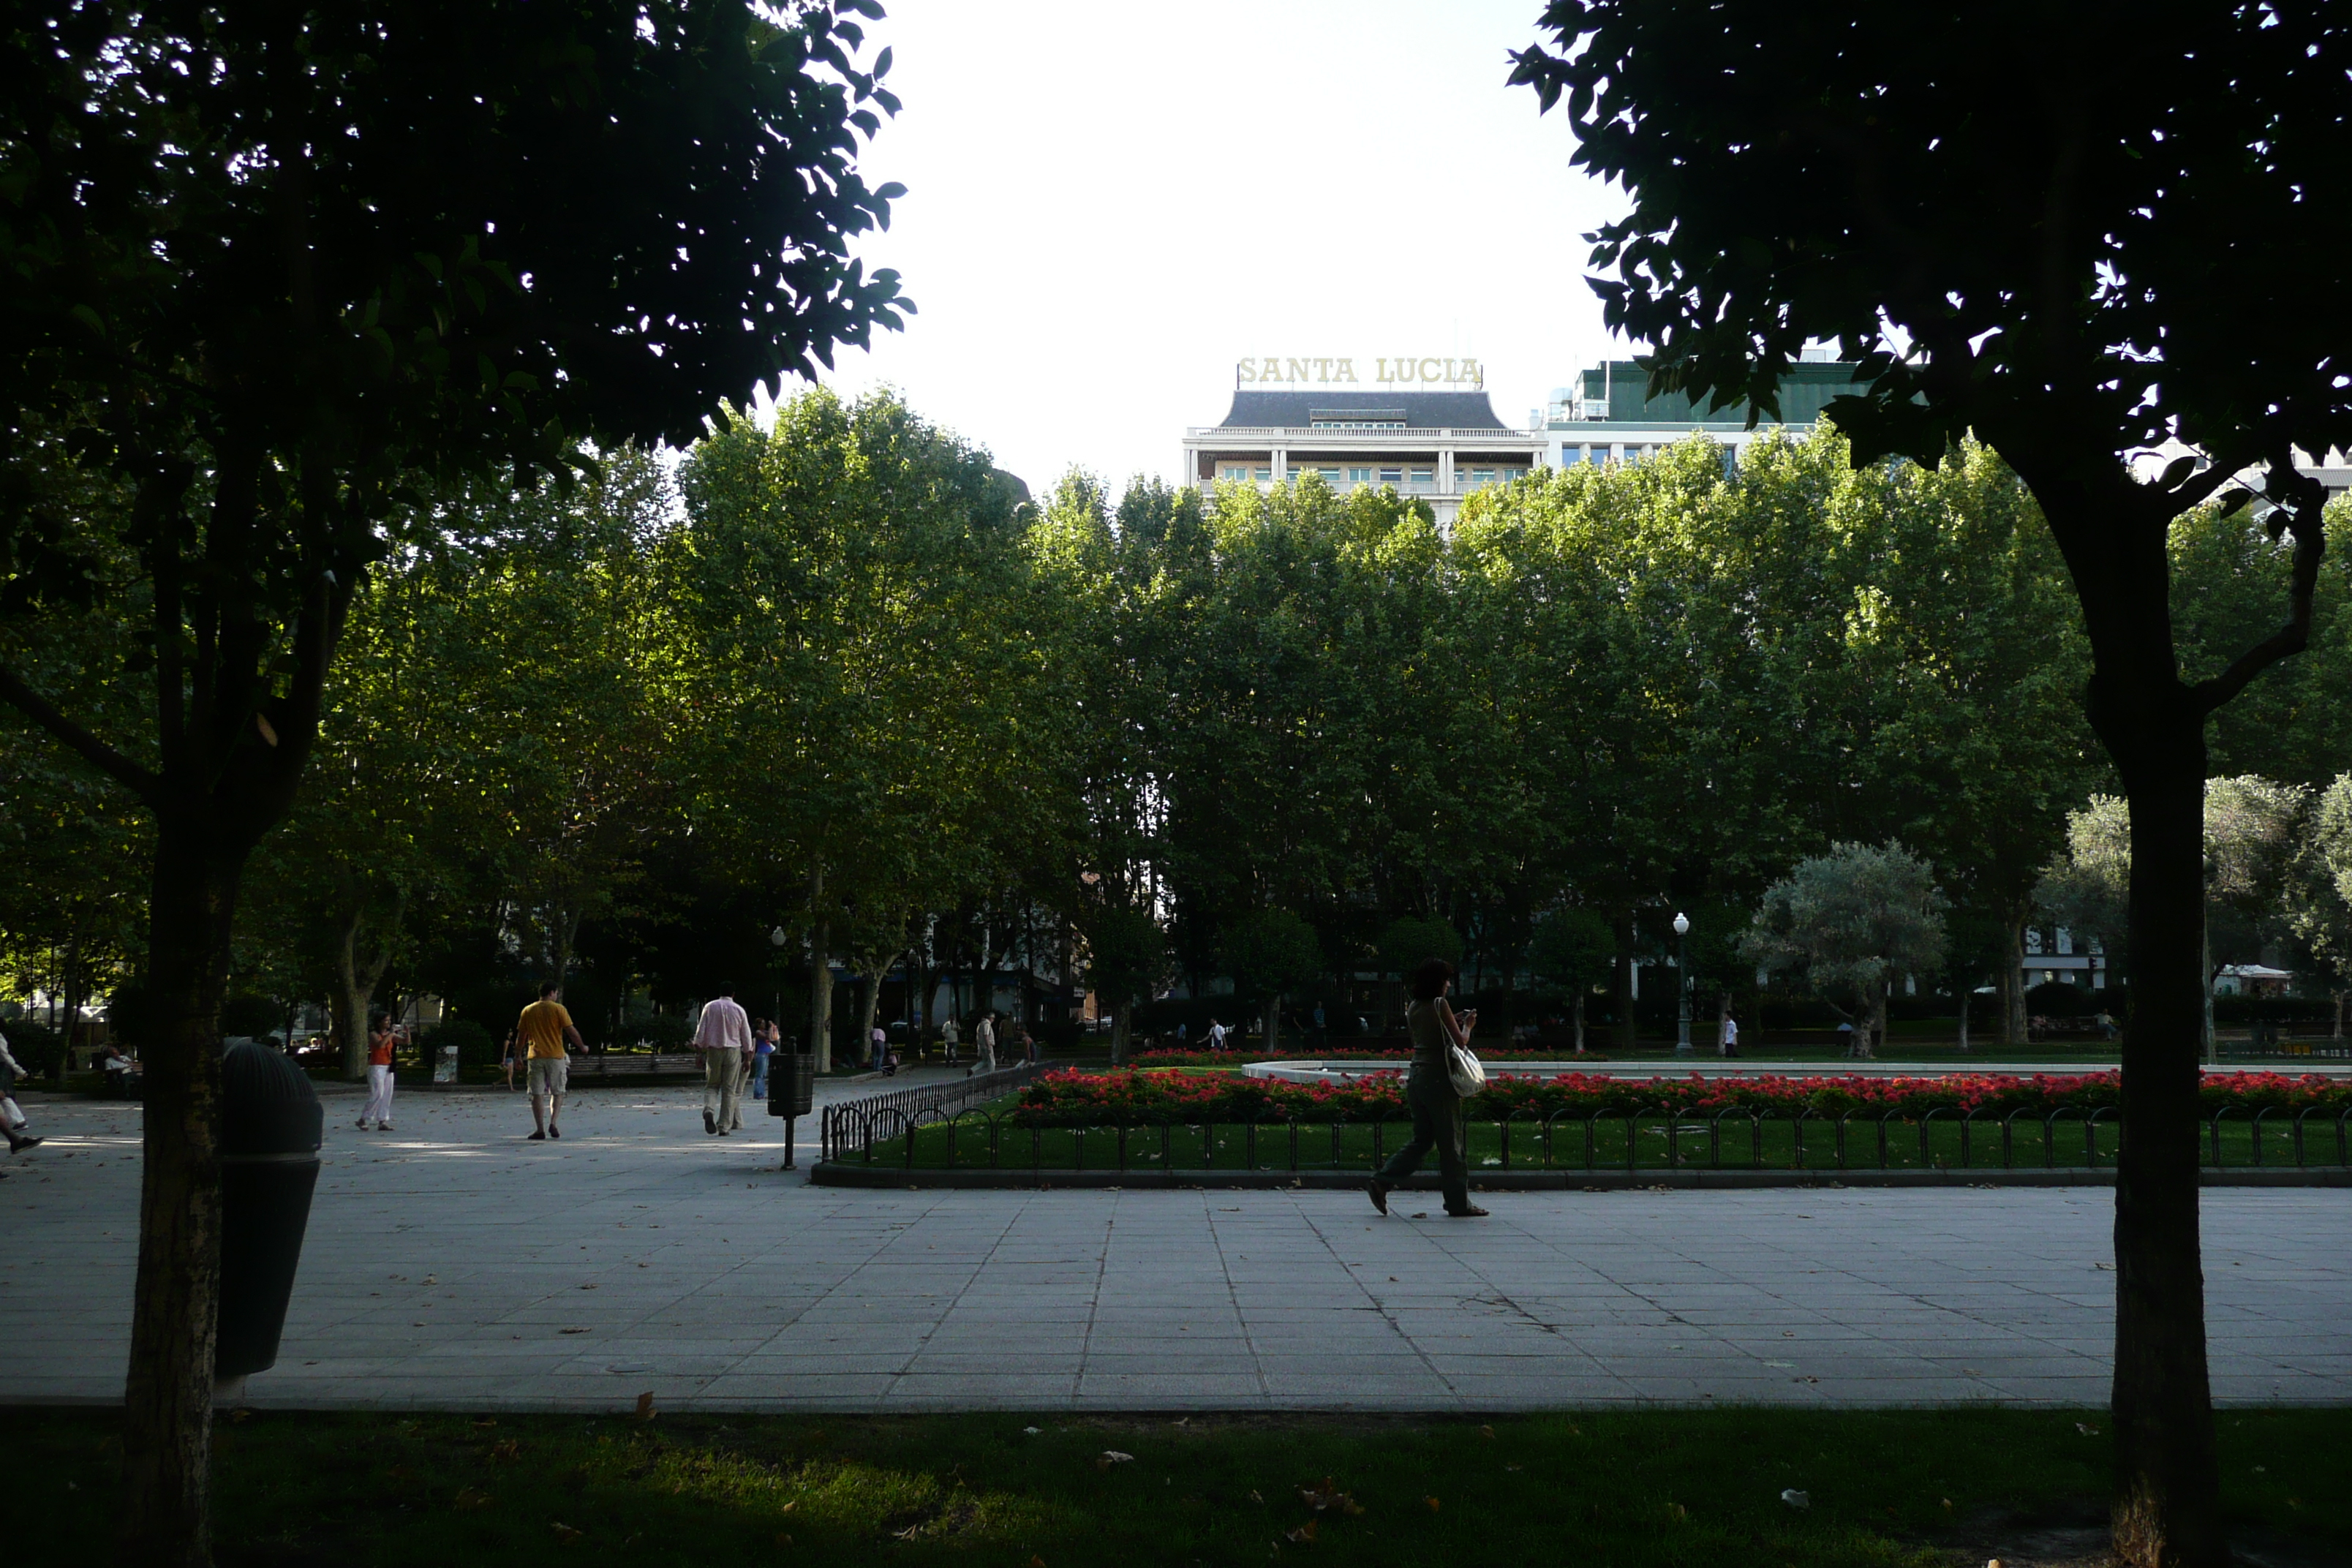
(1108, 203)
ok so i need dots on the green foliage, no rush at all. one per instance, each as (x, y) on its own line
(1269, 952)
(1856, 918)
(244, 1012)
(475, 1048)
(1410, 942)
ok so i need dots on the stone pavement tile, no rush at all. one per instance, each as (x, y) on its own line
(992, 1391)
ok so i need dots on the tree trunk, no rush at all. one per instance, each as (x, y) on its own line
(2013, 988)
(168, 1394)
(820, 974)
(1578, 1014)
(2338, 1032)
(2166, 1506)
(1622, 976)
(2208, 1049)
(1118, 1033)
(1968, 996)
(1273, 1024)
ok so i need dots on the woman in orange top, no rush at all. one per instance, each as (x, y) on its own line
(378, 1109)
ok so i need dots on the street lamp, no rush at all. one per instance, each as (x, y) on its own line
(777, 938)
(1682, 987)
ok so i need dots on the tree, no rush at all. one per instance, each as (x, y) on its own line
(2148, 243)
(2254, 845)
(2322, 912)
(1854, 920)
(1576, 949)
(1269, 952)
(263, 266)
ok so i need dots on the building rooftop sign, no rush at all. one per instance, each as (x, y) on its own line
(1273, 370)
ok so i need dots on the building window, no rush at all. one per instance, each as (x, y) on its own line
(1236, 475)
(1330, 476)
(1360, 476)
(1481, 476)
(1391, 476)
(1424, 476)
(1265, 476)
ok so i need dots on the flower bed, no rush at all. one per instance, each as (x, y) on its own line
(1397, 1054)
(1142, 1099)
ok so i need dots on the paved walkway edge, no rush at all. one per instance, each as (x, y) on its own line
(832, 1174)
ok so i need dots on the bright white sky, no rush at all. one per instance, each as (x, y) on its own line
(1110, 203)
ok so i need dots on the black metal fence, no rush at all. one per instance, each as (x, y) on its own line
(854, 1126)
(938, 1135)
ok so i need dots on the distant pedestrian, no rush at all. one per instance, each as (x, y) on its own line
(1730, 1045)
(11, 1116)
(984, 1039)
(724, 1038)
(1429, 1091)
(1846, 1037)
(763, 1047)
(1216, 1036)
(507, 1060)
(544, 1029)
(1028, 1047)
(1318, 1025)
(877, 1045)
(380, 1041)
(1182, 1030)
(952, 1036)
(2106, 1025)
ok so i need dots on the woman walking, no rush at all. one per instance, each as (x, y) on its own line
(1429, 1091)
(381, 1037)
(763, 1045)
(12, 1119)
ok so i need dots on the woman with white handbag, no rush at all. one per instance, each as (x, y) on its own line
(1444, 1071)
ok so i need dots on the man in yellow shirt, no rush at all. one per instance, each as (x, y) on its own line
(542, 1029)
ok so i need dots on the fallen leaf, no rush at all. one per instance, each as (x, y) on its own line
(587, 1287)
(645, 1405)
(564, 1532)
(1030, 1431)
(2087, 1429)
(1109, 1456)
(1303, 1535)
(488, 1421)
(1796, 1499)
(1432, 1503)
(564, 1330)
(468, 1500)
(1036, 1561)
(783, 1540)
(1488, 1433)
(1515, 1467)
(1256, 1498)
(505, 1450)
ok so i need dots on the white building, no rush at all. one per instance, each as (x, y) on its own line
(1608, 415)
(1423, 427)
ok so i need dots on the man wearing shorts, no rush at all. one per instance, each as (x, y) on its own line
(542, 1029)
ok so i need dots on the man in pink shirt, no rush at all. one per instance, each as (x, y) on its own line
(724, 1038)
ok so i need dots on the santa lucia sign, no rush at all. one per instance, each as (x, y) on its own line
(1280, 371)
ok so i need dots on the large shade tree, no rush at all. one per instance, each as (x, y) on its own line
(266, 263)
(2082, 231)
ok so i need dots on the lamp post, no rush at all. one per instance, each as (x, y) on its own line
(1682, 986)
(776, 939)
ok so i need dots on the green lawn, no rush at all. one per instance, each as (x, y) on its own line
(1600, 1487)
(984, 1135)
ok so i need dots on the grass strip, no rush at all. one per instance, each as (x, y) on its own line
(1631, 1487)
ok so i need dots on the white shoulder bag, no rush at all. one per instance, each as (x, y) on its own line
(1462, 1065)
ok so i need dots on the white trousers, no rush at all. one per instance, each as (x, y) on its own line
(379, 1100)
(10, 1114)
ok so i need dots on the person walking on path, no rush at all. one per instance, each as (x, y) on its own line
(949, 1034)
(1028, 1046)
(983, 1040)
(877, 1045)
(544, 1028)
(1216, 1036)
(1730, 1045)
(381, 1037)
(12, 1116)
(506, 1061)
(723, 1036)
(763, 1045)
(1429, 1091)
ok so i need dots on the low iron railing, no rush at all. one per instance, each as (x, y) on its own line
(939, 1136)
(854, 1126)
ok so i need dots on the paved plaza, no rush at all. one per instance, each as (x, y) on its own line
(452, 1263)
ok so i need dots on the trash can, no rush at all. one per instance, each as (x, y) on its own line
(271, 1126)
(792, 1089)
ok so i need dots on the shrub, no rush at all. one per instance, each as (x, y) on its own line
(663, 1032)
(475, 1046)
(37, 1048)
(251, 1015)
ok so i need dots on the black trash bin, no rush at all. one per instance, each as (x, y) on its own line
(792, 1089)
(271, 1126)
